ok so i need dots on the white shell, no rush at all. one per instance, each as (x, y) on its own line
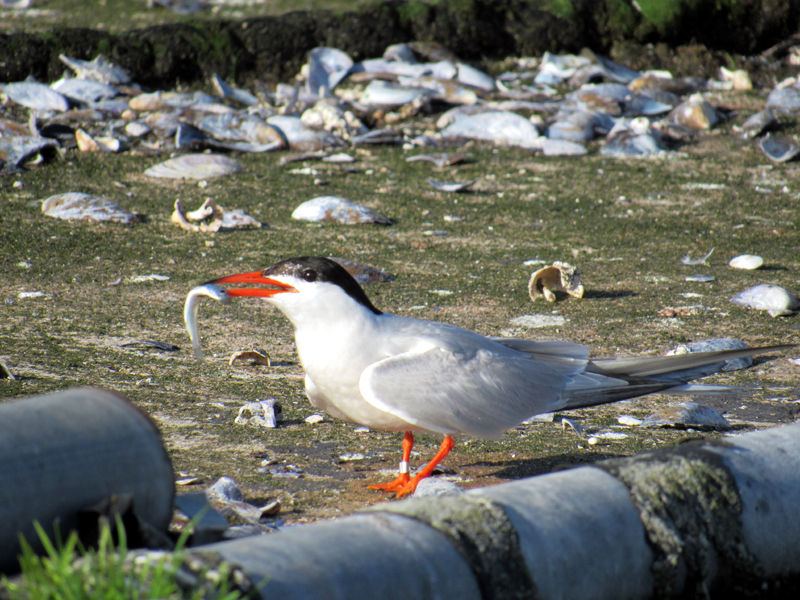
(76, 206)
(37, 96)
(499, 127)
(747, 261)
(688, 414)
(195, 166)
(774, 299)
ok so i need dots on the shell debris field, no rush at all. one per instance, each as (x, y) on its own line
(617, 187)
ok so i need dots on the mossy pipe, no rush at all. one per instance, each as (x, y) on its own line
(66, 452)
(707, 516)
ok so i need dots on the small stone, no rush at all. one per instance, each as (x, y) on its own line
(314, 419)
(747, 261)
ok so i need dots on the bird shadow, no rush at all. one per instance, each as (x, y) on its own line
(529, 467)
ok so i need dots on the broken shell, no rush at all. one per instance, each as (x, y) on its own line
(209, 209)
(75, 206)
(333, 209)
(258, 357)
(714, 345)
(684, 415)
(559, 277)
(302, 137)
(195, 166)
(747, 261)
(264, 413)
(190, 312)
(778, 148)
(784, 101)
(314, 419)
(326, 68)
(451, 187)
(98, 69)
(777, 301)
(687, 259)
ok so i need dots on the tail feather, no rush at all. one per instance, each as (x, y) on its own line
(613, 379)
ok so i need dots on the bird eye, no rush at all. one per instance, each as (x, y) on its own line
(309, 275)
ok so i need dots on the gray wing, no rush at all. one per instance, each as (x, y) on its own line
(480, 393)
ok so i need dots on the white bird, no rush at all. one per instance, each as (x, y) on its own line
(402, 374)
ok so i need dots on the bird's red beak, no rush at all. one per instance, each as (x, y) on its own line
(254, 277)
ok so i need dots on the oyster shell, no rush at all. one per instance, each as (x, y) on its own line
(558, 277)
(777, 301)
(195, 166)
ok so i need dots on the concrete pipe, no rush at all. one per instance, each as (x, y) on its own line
(66, 452)
(707, 518)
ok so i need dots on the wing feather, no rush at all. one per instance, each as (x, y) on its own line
(481, 393)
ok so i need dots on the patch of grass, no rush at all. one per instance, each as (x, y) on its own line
(69, 571)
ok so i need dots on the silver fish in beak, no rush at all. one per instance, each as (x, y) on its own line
(190, 311)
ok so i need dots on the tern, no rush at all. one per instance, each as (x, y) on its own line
(408, 375)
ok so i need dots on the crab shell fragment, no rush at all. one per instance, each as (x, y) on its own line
(558, 277)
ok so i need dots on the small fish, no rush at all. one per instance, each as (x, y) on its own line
(190, 312)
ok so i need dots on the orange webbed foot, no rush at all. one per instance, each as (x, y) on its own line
(392, 486)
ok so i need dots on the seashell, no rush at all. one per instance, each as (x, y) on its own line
(84, 90)
(778, 148)
(265, 413)
(777, 301)
(219, 218)
(451, 187)
(400, 53)
(333, 118)
(238, 219)
(758, 123)
(441, 159)
(640, 105)
(784, 101)
(87, 143)
(572, 131)
(195, 166)
(629, 421)
(255, 356)
(451, 116)
(616, 71)
(258, 135)
(538, 321)
(147, 102)
(227, 91)
(314, 419)
(36, 96)
(633, 137)
(363, 273)
(687, 259)
(339, 159)
(377, 136)
(445, 90)
(605, 98)
(498, 127)
(190, 312)
(333, 209)
(226, 497)
(701, 278)
(76, 206)
(326, 68)
(688, 415)
(747, 261)
(475, 78)
(732, 364)
(137, 129)
(388, 95)
(695, 113)
(15, 149)
(558, 277)
(98, 69)
(302, 137)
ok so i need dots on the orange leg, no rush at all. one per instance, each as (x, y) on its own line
(403, 478)
(406, 485)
